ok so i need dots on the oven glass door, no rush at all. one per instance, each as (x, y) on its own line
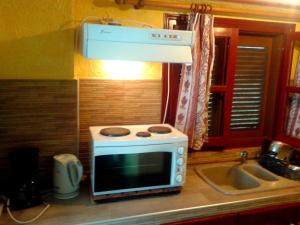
(127, 171)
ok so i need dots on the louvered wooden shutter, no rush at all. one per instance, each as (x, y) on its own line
(248, 87)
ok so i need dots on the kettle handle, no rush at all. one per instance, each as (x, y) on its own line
(75, 171)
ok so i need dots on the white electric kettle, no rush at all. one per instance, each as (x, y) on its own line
(67, 176)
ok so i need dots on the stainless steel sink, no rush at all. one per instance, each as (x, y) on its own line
(235, 178)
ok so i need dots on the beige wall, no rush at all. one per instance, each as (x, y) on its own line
(36, 39)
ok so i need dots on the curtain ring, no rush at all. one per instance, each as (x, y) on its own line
(139, 4)
(193, 7)
(209, 8)
(120, 2)
(205, 8)
(202, 8)
(198, 8)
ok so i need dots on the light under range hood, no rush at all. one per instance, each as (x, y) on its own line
(109, 42)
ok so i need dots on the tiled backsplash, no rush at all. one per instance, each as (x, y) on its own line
(43, 113)
(116, 102)
(40, 113)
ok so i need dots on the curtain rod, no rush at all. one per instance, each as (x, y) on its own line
(273, 13)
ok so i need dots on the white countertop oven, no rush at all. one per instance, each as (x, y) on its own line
(136, 160)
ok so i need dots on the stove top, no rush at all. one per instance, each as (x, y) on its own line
(159, 129)
(114, 131)
(135, 135)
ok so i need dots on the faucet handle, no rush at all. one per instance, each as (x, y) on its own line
(244, 155)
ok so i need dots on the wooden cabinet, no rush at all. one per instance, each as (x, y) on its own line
(273, 215)
(226, 219)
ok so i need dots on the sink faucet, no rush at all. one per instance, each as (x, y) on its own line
(244, 156)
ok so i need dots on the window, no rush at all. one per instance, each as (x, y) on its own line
(248, 88)
(289, 114)
(244, 92)
(249, 85)
(220, 99)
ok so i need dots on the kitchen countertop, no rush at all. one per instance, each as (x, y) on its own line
(197, 199)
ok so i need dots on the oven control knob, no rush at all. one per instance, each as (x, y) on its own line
(179, 169)
(180, 150)
(180, 161)
(179, 178)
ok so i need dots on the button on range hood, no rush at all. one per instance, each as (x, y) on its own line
(110, 42)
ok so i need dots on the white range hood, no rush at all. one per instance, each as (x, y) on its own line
(110, 42)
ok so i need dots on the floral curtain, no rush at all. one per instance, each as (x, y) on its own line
(293, 126)
(192, 114)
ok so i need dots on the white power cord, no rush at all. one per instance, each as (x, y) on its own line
(133, 21)
(25, 221)
(168, 93)
(112, 21)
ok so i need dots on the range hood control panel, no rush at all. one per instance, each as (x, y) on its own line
(162, 36)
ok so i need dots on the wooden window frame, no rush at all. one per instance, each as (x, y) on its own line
(285, 90)
(226, 89)
(243, 139)
(240, 138)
